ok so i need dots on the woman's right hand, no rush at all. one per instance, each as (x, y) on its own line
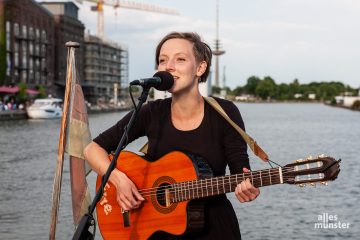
(127, 194)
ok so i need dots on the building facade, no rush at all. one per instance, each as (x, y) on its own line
(67, 28)
(105, 69)
(29, 44)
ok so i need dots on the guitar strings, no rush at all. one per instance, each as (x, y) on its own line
(255, 177)
(254, 174)
(181, 194)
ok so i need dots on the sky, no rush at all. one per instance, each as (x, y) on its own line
(308, 40)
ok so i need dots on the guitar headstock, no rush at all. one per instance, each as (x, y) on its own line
(311, 170)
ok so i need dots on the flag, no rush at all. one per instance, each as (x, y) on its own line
(74, 136)
(78, 136)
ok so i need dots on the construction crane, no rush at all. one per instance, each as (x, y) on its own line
(124, 4)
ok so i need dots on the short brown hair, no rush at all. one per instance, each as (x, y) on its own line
(202, 51)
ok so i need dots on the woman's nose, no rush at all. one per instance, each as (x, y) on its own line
(170, 65)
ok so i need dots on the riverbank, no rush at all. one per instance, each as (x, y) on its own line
(13, 115)
(21, 114)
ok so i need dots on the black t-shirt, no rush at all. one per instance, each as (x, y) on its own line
(215, 140)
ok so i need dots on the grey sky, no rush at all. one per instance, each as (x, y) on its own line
(311, 40)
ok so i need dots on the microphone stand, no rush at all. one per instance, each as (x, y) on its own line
(82, 231)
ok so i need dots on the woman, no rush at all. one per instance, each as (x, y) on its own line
(183, 122)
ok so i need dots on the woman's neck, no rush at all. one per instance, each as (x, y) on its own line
(186, 106)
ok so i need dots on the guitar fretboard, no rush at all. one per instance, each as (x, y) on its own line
(196, 189)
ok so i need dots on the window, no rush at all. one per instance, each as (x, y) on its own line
(31, 33)
(43, 36)
(43, 79)
(23, 76)
(16, 76)
(43, 50)
(43, 64)
(8, 40)
(24, 31)
(31, 48)
(31, 64)
(8, 64)
(31, 76)
(24, 54)
(24, 61)
(37, 64)
(37, 34)
(8, 27)
(37, 49)
(16, 30)
(37, 77)
(16, 59)
(16, 47)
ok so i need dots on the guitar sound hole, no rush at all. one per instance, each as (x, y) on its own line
(160, 193)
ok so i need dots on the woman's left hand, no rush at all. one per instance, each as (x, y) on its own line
(245, 191)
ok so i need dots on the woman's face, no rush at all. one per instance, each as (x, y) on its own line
(177, 57)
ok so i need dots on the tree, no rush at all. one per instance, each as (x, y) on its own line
(42, 92)
(283, 92)
(238, 91)
(266, 88)
(21, 95)
(216, 89)
(252, 84)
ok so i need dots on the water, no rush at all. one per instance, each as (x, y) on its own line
(287, 132)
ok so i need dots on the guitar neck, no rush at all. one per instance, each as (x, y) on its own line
(224, 184)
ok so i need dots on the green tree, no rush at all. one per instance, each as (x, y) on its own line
(42, 92)
(216, 89)
(294, 88)
(238, 91)
(21, 95)
(252, 84)
(266, 88)
(283, 91)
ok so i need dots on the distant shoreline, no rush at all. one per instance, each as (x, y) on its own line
(21, 114)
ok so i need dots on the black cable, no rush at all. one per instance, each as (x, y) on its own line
(132, 98)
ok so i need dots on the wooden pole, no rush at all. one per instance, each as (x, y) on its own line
(70, 76)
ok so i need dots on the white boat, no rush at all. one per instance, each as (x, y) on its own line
(45, 108)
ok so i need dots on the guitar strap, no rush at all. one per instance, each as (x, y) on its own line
(249, 140)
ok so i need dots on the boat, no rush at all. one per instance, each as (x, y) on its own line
(45, 108)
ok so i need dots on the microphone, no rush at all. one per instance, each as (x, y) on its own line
(161, 81)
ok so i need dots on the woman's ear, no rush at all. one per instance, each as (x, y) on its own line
(201, 69)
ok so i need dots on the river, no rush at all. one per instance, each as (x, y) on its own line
(28, 155)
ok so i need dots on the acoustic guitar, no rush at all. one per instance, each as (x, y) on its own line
(173, 185)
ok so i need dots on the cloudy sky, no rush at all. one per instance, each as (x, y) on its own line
(311, 40)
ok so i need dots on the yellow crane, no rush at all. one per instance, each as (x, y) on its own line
(124, 4)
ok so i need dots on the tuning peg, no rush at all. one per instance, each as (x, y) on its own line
(309, 158)
(324, 183)
(299, 160)
(301, 185)
(313, 184)
(321, 156)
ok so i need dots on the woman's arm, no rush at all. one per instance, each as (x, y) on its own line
(128, 196)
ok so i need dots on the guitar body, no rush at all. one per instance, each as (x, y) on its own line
(154, 214)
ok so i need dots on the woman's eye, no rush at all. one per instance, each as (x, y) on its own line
(161, 60)
(181, 59)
